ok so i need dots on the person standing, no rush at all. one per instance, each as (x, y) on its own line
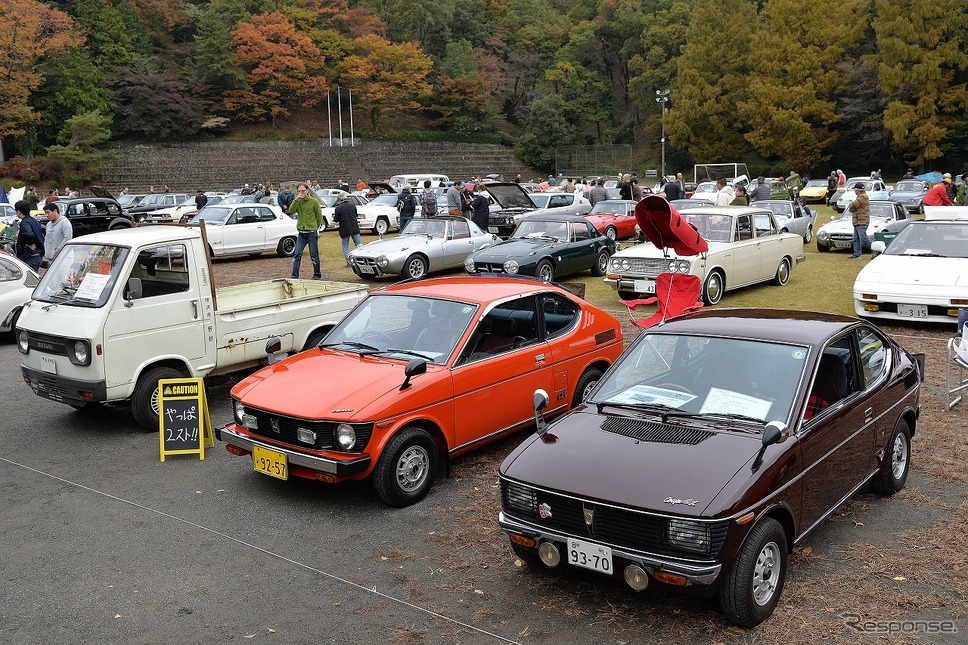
(725, 193)
(671, 189)
(285, 198)
(454, 201)
(347, 218)
(52, 196)
(480, 210)
(938, 194)
(741, 198)
(962, 197)
(832, 183)
(793, 184)
(762, 190)
(428, 201)
(30, 238)
(637, 193)
(200, 200)
(32, 198)
(59, 231)
(949, 187)
(597, 193)
(309, 218)
(406, 206)
(625, 188)
(860, 210)
(682, 186)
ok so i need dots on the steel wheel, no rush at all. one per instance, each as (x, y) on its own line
(611, 233)
(766, 574)
(407, 467)
(897, 462)
(381, 227)
(415, 267)
(287, 247)
(808, 235)
(545, 271)
(899, 457)
(601, 264)
(412, 468)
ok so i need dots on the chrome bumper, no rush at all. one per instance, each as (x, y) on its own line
(337, 467)
(694, 574)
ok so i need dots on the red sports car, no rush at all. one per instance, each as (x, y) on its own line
(614, 218)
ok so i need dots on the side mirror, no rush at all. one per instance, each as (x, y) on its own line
(274, 350)
(774, 432)
(414, 367)
(539, 402)
(133, 290)
(878, 247)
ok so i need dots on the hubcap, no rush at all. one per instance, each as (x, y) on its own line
(766, 573)
(715, 288)
(899, 457)
(783, 273)
(602, 262)
(588, 389)
(545, 273)
(412, 468)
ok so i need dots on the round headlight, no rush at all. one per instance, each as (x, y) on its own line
(345, 436)
(22, 343)
(469, 264)
(511, 266)
(239, 411)
(626, 264)
(80, 351)
(822, 234)
(672, 266)
(382, 261)
(683, 266)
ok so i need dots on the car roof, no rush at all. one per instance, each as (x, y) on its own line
(473, 288)
(141, 235)
(799, 327)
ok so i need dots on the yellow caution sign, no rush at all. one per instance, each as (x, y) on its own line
(184, 424)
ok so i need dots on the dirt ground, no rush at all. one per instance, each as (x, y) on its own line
(899, 559)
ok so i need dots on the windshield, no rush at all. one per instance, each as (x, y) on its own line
(82, 275)
(213, 215)
(615, 208)
(326, 201)
(698, 375)
(541, 229)
(816, 183)
(388, 199)
(431, 227)
(931, 239)
(909, 186)
(540, 200)
(403, 327)
(151, 200)
(715, 228)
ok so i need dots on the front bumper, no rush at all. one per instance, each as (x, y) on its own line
(340, 468)
(64, 390)
(695, 574)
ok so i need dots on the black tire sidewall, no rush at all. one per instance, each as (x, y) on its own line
(736, 594)
(143, 393)
(384, 474)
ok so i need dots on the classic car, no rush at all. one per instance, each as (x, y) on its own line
(417, 374)
(514, 203)
(921, 275)
(704, 190)
(614, 218)
(909, 193)
(380, 214)
(888, 233)
(129, 200)
(154, 202)
(815, 191)
(711, 449)
(91, 214)
(183, 211)
(876, 191)
(424, 245)
(17, 282)
(247, 228)
(548, 247)
(790, 217)
(567, 203)
(689, 202)
(839, 233)
(327, 204)
(745, 247)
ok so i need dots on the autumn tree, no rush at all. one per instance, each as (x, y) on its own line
(281, 65)
(30, 32)
(921, 47)
(462, 96)
(387, 77)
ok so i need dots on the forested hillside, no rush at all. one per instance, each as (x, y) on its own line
(860, 84)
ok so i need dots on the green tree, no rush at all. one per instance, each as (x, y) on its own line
(115, 34)
(156, 103)
(922, 47)
(548, 127)
(214, 52)
(74, 84)
(80, 158)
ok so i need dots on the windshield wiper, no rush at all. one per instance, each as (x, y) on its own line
(352, 343)
(923, 255)
(722, 415)
(658, 408)
(409, 352)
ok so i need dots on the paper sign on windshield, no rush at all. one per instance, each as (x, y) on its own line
(729, 402)
(91, 286)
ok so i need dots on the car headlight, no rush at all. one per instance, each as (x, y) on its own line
(345, 436)
(822, 235)
(688, 535)
(621, 264)
(683, 266)
(511, 266)
(382, 261)
(79, 352)
(469, 265)
(239, 410)
(22, 343)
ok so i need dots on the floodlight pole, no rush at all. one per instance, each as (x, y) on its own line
(662, 97)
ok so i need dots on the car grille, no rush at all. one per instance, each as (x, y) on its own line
(617, 527)
(655, 432)
(488, 268)
(358, 260)
(647, 266)
(842, 237)
(283, 429)
(56, 345)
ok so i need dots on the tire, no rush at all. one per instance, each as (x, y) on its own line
(897, 462)
(314, 339)
(415, 267)
(144, 401)
(600, 267)
(527, 556)
(821, 247)
(611, 233)
(287, 247)
(407, 468)
(753, 586)
(782, 276)
(588, 380)
(808, 236)
(381, 227)
(545, 271)
(324, 226)
(713, 287)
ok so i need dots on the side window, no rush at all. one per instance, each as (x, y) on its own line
(764, 225)
(557, 201)
(560, 314)
(744, 228)
(506, 327)
(113, 209)
(873, 355)
(266, 215)
(97, 208)
(162, 270)
(461, 229)
(580, 231)
(76, 210)
(9, 271)
(835, 378)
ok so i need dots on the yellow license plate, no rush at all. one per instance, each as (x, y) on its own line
(270, 462)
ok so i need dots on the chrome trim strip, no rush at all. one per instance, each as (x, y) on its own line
(320, 464)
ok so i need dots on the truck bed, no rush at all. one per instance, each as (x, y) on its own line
(269, 293)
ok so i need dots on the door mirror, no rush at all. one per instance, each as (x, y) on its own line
(274, 350)
(539, 402)
(414, 368)
(133, 290)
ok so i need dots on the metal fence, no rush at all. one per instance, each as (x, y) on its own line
(595, 160)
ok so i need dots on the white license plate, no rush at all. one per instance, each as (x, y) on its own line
(644, 286)
(912, 311)
(492, 229)
(48, 365)
(365, 268)
(590, 556)
(841, 245)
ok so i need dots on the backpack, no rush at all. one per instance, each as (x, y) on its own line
(428, 203)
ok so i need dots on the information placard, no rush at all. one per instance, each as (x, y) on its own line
(184, 425)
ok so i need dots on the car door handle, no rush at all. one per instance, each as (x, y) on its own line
(539, 358)
(868, 415)
(195, 309)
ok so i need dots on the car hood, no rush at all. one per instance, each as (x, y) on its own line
(517, 248)
(398, 244)
(367, 387)
(510, 195)
(908, 194)
(912, 272)
(578, 457)
(649, 250)
(845, 226)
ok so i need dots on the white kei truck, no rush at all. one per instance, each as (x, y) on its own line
(119, 310)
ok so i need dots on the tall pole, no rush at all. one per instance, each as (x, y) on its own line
(329, 118)
(662, 97)
(339, 100)
(352, 140)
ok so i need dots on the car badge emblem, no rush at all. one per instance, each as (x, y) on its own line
(589, 516)
(544, 511)
(684, 502)
(275, 425)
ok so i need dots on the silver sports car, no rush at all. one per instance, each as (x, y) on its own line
(425, 245)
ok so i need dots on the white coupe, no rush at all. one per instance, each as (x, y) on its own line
(236, 229)
(839, 233)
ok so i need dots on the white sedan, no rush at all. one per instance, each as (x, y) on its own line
(839, 233)
(921, 275)
(745, 247)
(380, 214)
(17, 282)
(235, 229)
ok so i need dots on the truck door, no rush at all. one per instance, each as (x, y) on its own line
(168, 320)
